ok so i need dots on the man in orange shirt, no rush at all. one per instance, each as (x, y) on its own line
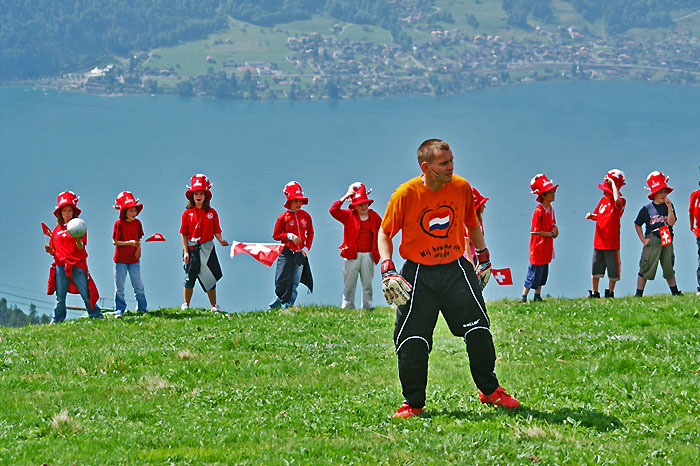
(432, 210)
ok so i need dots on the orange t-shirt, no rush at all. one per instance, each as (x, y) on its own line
(432, 222)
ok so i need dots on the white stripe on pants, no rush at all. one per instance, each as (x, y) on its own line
(364, 266)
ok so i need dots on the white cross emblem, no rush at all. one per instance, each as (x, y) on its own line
(665, 237)
(499, 277)
(257, 249)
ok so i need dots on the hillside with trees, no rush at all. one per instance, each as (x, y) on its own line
(12, 316)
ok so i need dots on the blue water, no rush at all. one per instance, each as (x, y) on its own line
(572, 131)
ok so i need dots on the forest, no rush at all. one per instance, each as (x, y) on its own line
(12, 316)
(50, 37)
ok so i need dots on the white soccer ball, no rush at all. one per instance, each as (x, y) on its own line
(76, 228)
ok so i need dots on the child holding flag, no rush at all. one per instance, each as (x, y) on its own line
(658, 218)
(126, 236)
(606, 244)
(295, 230)
(542, 233)
(200, 225)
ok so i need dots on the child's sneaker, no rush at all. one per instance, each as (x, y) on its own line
(523, 299)
(537, 298)
(609, 294)
(596, 294)
(118, 314)
(499, 398)
(216, 308)
(407, 410)
(184, 307)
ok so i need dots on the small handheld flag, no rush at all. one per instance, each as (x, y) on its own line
(665, 233)
(262, 252)
(46, 230)
(502, 276)
(155, 237)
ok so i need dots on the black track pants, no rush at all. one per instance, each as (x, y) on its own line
(453, 289)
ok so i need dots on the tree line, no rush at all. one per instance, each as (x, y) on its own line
(12, 316)
(617, 15)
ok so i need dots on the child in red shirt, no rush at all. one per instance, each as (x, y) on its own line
(359, 249)
(606, 245)
(126, 237)
(542, 233)
(200, 225)
(295, 230)
(694, 212)
(69, 272)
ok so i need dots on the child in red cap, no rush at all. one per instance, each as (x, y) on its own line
(295, 230)
(606, 245)
(694, 212)
(200, 225)
(542, 233)
(126, 236)
(658, 218)
(69, 272)
(359, 249)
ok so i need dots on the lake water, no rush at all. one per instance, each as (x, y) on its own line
(572, 131)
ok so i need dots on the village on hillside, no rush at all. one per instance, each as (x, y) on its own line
(328, 66)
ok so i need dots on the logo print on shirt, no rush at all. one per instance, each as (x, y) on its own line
(437, 223)
(210, 215)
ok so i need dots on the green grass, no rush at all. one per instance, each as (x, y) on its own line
(601, 382)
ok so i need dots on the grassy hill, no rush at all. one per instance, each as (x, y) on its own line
(601, 382)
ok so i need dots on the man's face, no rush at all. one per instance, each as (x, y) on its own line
(441, 167)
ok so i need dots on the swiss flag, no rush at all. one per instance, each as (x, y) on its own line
(47, 230)
(156, 237)
(262, 252)
(665, 233)
(502, 276)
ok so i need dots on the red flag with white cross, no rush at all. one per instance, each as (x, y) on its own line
(665, 233)
(265, 253)
(502, 276)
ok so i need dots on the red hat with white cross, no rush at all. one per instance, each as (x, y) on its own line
(199, 182)
(125, 200)
(540, 184)
(479, 200)
(64, 199)
(360, 194)
(293, 191)
(657, 181)
(617, 176)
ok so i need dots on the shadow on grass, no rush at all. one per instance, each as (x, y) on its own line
(582, 417)
(180, 315)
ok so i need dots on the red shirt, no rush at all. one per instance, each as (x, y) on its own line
(126, 231)
(607, 228)
(695, 210)
(66, 250)
(353, 227)
(296, 222)
(200, 226)
(542, 247)
(365, 237)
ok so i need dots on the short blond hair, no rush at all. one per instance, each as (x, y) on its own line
(426, 151)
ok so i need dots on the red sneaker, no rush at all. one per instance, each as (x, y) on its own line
(407, 410)
(499, 398)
